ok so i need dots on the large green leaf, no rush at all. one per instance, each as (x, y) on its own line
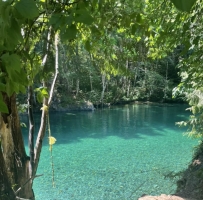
(3, 107)
(69, 33)
(11, 87)
(184, 5)
(22, 88)
(12, 62)
(2, 87)
(12, 65)
(27, 8)
(16, 30)
(83, 16)
(59, 20)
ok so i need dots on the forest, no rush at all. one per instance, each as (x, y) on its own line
(56, 53)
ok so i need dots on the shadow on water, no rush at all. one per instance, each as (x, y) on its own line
(127, 122)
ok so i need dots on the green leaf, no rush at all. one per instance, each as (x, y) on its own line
(41, 93)
(1, 96)
(3, 107)
(22, 88)
(12, 62)
(16, 30)
(44, 92)
(58, 20)
(11, 87)
(69, 33)
(139, 18)
(12, 65)
(5, 10)
(39, 97)
(2, 87)
(83, 16)
(184, 5)
(27, 8)
(87, 45)
(133, 29)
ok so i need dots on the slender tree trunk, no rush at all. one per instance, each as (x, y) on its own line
(31, 130)
(46, 104)
(91, 82)
(128, 87)
(166, 82)
(77, 86)
(104, 84)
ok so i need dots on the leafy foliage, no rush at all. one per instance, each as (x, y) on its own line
(184, 5)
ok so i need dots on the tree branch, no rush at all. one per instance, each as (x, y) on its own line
(46, 103)
(31, 129)
(56, 68)
(31, 178)
(42, 130)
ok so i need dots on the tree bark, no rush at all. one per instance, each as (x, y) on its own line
(13, 150)
(104, 84)
(31, 130)
(6, 192)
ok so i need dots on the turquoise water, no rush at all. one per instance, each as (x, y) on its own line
(119, 153)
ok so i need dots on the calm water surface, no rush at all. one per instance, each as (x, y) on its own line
(114, 154)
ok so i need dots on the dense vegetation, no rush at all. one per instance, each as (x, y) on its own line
(129, 75)
(104, 51)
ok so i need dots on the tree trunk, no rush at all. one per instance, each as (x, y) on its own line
(104, 84)
(91, 82)
(6, 191)
(77, 87)
(13, 151)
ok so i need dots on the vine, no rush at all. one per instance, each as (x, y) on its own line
(52, 141)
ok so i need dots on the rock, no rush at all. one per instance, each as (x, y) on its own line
(79, 106)
(162, 197)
